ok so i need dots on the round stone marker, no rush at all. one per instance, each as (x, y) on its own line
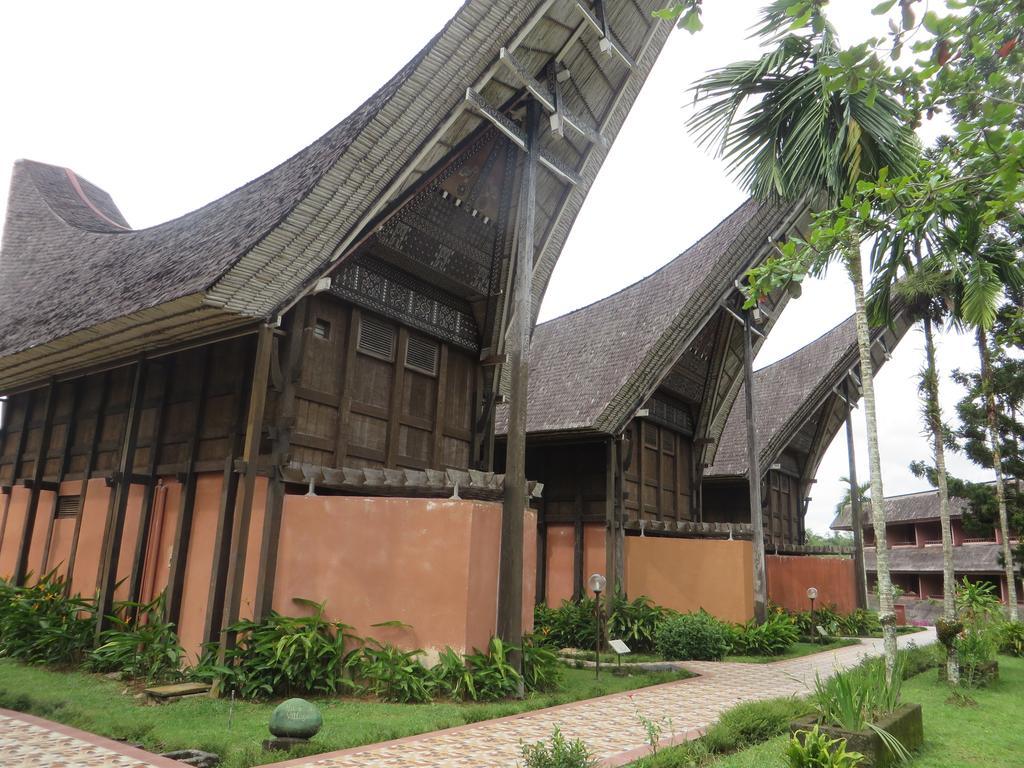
(295, 719)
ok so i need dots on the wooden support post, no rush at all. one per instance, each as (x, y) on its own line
(397, 388)
(510, 570)
(437, 449)
(146, 512)
(25, 544)
(856, 520)
(250, 456)
(577, 546)
(345, 396)
(620, 509)
(541, 590)
(186, 504)
(291, 371)
(62, 468)
(90, 464)
(19, 455)
(611, 529)
(754, 476)
(114, 528)
(226, 510)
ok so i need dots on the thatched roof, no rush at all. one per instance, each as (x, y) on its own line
(78, 288)
(589, 369)
(969, 558)
(907, 508)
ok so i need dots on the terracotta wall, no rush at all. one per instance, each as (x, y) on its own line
(430, 563)
(790, 576)
(558, 573)
(689, 574)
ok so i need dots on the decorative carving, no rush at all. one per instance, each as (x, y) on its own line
(376, 286)
(672, 415)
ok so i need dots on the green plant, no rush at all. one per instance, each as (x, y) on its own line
(40, 625)
(1011, 638)
(857, 697)
(814, 749)
(282, 655)
(571, 625)
(391, 674)
(635, 621)
(979, 641)
(141, 645)
(558, 754)
(692, 636)
(860, 623)
(774, 637)
(451, 677)
(493, 676)
(541, 666)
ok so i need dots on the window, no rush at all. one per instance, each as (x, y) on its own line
(421, 355)
(376, 338)
(322, 329)
(67, 506)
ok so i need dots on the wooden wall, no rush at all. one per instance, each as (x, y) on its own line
(658, 472)
(728, 501)
(373, 393)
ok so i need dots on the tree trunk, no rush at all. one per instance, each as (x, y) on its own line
(856, 514)
(754, 478)
(933, 419)
(887, 614)
(997, 463)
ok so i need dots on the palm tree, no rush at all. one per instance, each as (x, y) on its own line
(863, 495)
(787, 130)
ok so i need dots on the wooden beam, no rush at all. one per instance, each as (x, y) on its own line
(65, 457)
(345, 396)
(114, 528)
(611, 529)
(440, 404)
(226, 510)
(90, 463)
(541, 584)
(186, 504)
(397, 392)
(577, 544)
(271, 534)
(146, 511)
(251, 451)
(620, 502)
(25, 544)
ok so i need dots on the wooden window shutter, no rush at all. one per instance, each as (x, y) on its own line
(422, 355)
(376, 338)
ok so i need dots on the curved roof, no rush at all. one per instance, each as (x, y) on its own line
(589, 368)
(78, 288)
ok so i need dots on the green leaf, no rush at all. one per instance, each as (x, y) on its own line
(882, 8)
(691, 21)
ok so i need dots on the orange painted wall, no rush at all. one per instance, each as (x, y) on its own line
(558, 573)
(13, 530)
(196, 590)
(132, 519)
(432, 564)
(789, 577)
(38, 542)
(90, 538)
(689, 574)
(593, 551)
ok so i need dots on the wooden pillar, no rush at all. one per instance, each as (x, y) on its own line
(186, 504)
(250, 459)
(541, 586)
(292, 369)
(397, 389)
(517, 345)
(87, 470)
(856, 520)
(754, 476)
(611, 538)
(577, 550)
(226, 508)
(19, 454)
(620, 509)
(62, 468)
(114, 527)
(146, 511)
(345, 396)
(25, 544)
(440, 404)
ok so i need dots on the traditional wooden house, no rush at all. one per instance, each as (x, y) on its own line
(222, 405)
(629, 396)
(799, 406)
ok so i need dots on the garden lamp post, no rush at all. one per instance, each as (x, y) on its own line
(596, 582)
(812, 595)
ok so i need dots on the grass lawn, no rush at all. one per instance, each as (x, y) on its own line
(985, 736)
(98, 705)
(796, 650)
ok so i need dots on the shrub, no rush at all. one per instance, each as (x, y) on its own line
(391, 673)
(917, 659)
(860, 623)
(1011, 638)
(39, 625)
(571, 625)
(692, 636)
(541, 668)
(559, 754)
(283, 655)
(493, 676)
(753, 722)
(774, 637)
(856, 697)
(635, 621)
(140, 646)
(451, 677)
(814, 749)
(976, 646)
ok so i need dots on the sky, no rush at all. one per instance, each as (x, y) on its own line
(169, 106)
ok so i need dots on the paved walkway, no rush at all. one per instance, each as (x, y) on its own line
(609, 725)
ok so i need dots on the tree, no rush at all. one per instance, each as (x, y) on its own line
(787, 131)
(863, 494)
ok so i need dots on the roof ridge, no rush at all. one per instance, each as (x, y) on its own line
(650, 275)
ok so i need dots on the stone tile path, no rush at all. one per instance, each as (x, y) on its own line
(609, 725)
